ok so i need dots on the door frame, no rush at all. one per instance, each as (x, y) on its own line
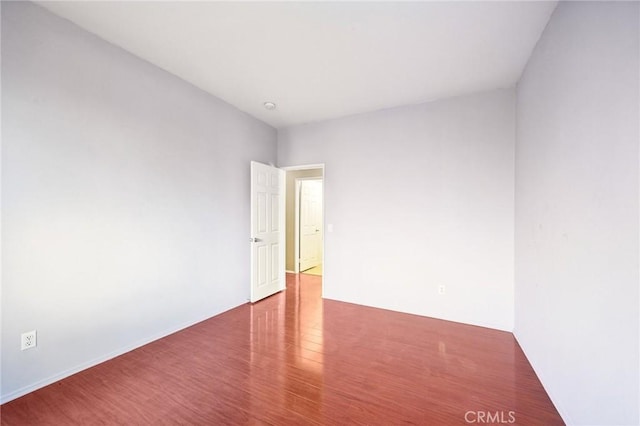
(297, 213)
(296, 230)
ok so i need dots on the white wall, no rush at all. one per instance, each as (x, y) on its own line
(125, 199)
(419, 196)
(577, 212)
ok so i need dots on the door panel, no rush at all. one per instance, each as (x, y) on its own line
(310, 224)
(267, 231)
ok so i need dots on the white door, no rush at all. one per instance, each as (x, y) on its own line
(267, 231)
(310, 224)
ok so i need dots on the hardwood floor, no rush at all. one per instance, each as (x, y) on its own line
(297, 359)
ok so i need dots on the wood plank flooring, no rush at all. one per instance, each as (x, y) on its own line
(297, 359)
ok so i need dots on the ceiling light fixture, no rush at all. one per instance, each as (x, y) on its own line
(269, 105)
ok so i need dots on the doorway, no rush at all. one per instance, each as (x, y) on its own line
(305, 219)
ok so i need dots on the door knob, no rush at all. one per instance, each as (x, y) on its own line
(254, 240)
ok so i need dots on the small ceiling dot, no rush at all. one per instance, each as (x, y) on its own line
(269, 105)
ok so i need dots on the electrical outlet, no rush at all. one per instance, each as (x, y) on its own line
(28, 340)
(441, 289)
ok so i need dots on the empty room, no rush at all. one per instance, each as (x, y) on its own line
(320, 213)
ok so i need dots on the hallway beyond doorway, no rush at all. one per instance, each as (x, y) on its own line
(316, 270)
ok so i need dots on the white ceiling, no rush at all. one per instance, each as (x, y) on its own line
(324, 60)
